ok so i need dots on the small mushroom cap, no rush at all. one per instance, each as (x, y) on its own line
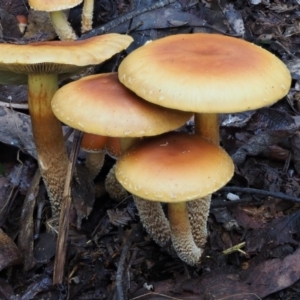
(61, 56)
(174, 167)
(100, 104)
(93, 142)
(205, 73)
(113, 147)
(53, 5)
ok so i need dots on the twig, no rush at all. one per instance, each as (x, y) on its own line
(158, 294)
(260, 192)
(216, 203)
(14, 105)
(110, 25)
(120, 289)
(61, 246)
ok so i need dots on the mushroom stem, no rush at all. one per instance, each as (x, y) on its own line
(153, 220)
(61, 26)
(181, 234)
(112, 185)
(87, 15)
(94, 163)
(48, 136)
(127, 142)
(207, 125)
(198, 211)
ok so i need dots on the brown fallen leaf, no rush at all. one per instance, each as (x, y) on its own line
(9, 253)
(267, 127)
(273, 275)
(282, 230)
(118, 217)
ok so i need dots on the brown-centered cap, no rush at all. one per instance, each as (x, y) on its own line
(205, 73)
(61, 56)
(113, 147)
(100, 104)
(53, 5)
(174, 167)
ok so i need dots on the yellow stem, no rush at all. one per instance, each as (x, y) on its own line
(207, 125)
(48, 136)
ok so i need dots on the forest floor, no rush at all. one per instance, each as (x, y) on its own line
(110, 256)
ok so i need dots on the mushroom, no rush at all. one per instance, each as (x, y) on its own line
(114, 147)
(59, 20)
(99, 104)
(206, 74)
(175, 168)
(42, 61)
(94, 146)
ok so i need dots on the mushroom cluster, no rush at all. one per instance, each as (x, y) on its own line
(206, 74)
(157, 89)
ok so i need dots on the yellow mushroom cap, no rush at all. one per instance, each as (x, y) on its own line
(205, 73)
(61, 56)
(174, 167)
(100, 104)
(53, 5)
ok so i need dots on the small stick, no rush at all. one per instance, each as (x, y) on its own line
(216, 203)
(61, 246)
(236, 248)
(260, 192)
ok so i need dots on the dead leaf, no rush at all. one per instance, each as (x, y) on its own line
(273, 275)
(282, 230)
(83, 193)
(9, 252)
(15, 129)
(14, 7)
(269, 126)
(9, 25)
(39, 24)
(118, 217)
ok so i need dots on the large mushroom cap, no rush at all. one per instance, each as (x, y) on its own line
(53, 5)
(174, 167)
(61, 56)
(205, 73)
(100, 104)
